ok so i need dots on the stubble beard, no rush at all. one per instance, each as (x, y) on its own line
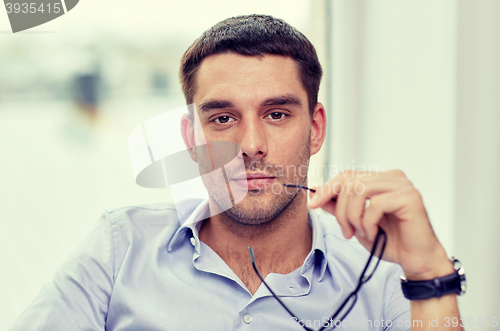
(260, 207)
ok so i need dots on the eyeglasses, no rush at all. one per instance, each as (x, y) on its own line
(347, 305)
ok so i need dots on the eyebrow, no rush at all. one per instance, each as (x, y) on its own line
(287, 99)
(214, 104)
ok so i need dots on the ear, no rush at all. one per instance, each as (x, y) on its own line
(187, 130)
(318, 128)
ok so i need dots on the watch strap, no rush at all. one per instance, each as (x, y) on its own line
(426, 289)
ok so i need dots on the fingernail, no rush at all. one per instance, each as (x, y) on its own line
(360, 233)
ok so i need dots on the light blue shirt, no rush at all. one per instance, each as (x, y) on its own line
(139, 269)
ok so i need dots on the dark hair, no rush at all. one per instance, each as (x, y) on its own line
(253, 35)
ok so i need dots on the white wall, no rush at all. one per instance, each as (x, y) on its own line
(477, 227)
(416, 87)
(393, 95)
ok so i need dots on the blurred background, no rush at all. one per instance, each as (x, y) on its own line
(412, 85)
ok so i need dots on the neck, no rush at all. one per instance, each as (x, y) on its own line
(280, 245)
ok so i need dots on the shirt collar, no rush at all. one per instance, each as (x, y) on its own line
(193, 223)
(318, 245)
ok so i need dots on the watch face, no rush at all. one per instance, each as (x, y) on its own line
(457, 265)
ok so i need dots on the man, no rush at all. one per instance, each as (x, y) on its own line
(254, 81)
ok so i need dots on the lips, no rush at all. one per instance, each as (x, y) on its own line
(254, 180)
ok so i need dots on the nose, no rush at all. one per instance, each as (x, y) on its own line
(253, 140)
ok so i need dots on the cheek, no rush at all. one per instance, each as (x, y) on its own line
(293, 152)
(294, 144)
(199, 135)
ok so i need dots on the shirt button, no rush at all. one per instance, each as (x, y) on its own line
(193, 241)
(247, 318)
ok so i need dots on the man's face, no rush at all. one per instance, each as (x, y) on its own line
(260, 104)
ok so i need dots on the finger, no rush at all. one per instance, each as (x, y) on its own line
(325, 193)
(366, 243)
(395, 202)
(341, 214)
(360, 190)
(331, 207)
(355, 208)
(387, 181)
(372, 215)
(394, 173)
(371, 174)
(312, 191)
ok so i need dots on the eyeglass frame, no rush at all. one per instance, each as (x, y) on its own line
(361, 281)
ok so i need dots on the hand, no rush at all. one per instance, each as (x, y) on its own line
(394, 205)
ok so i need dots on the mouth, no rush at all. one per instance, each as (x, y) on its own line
(254, 181)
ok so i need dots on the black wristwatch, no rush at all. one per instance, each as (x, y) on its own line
(437, 287)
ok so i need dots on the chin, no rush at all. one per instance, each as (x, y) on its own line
(257, 210)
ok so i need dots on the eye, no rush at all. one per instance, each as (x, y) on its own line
(276, 115)
(223, 119)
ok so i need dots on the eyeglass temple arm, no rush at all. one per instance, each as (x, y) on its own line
(252, 258)
(324, 327)
(372, 254)
(305, 188)
(361, 281)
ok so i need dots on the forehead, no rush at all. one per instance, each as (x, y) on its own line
(235, 76)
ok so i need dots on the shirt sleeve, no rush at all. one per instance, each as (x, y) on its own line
(78, 296)
(397, 312)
